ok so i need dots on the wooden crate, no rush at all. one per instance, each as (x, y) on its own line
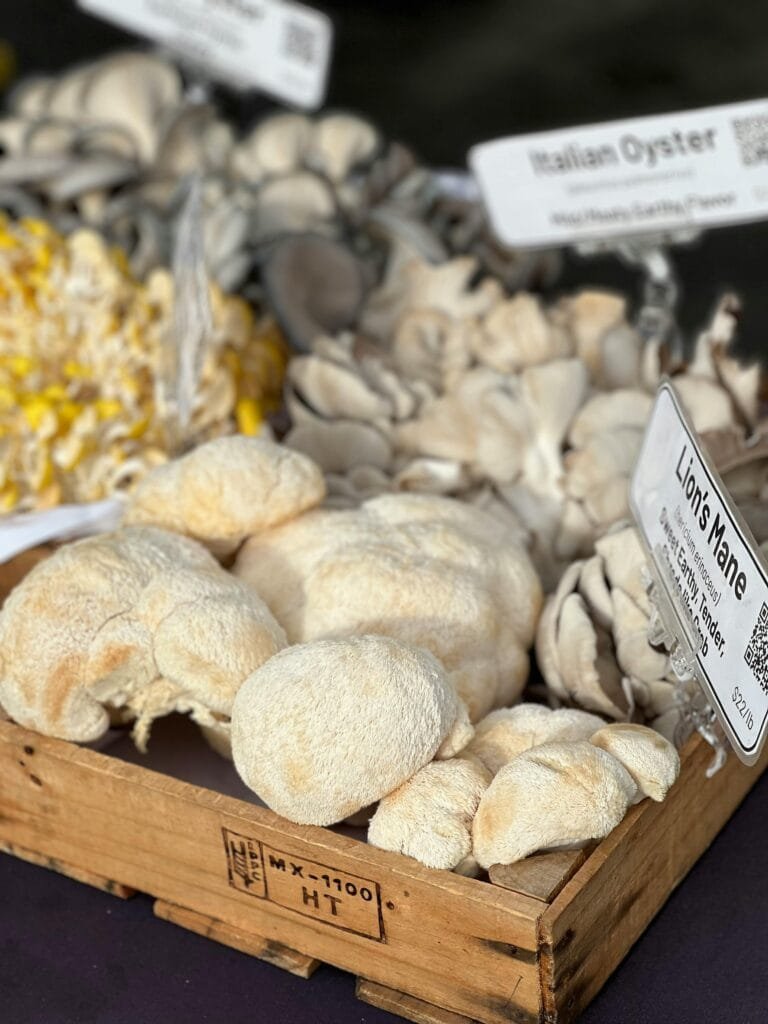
(533, 945)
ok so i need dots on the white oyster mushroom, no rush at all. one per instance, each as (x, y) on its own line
(428, 570)
(292, 204)
(554, 795)
(590, 316)
(327, 728)
(517, 333)
(339, 143)
(429, 817)
(276, 146)
(503, 734)
(339, 446)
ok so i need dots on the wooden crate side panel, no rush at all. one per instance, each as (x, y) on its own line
(608, 904)
(451, 941)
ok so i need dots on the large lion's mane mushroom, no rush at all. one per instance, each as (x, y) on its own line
(427, 570)
(139, 620)
(226, 490)
(507, 732)
(557, 794)
(325, 729)
(430, 816)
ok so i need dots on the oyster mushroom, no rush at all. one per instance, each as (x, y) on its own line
(315, 286)
(554, 795)
(140, 620)
(276, 146)
(429, 817)
(387, 705)
(339, 143)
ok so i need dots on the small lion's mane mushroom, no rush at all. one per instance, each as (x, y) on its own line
(139, 620)
(430, 816)
(226, 490)
(324, 729)
(427, 570)
(650, 759)
(554, 795)
(503, 734)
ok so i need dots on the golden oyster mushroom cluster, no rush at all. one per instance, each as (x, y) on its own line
(83, 367)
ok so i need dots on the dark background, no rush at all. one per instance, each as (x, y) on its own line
(441, 76)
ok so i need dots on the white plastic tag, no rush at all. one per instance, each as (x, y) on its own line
(277, 46)
(648, 175)
(711, 570)
(28, 529)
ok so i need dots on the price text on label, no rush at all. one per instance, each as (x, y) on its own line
(699, 168)
(711, 568)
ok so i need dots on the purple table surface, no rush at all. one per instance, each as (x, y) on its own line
(70, 954)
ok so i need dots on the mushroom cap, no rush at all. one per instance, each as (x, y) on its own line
(226, 490)
(503, 734)
(326, 728)
(428, 570)
(101, 620)
(316, 286)
(557, 794)
(650, 759)
(430, 816)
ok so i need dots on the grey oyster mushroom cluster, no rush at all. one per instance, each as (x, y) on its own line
(108, 145)
(450, 386)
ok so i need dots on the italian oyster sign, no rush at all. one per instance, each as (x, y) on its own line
(276, 45)
(711, 569)
(647, 175)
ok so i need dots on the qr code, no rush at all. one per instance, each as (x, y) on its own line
(299, 43)
(752, 138)
(756, 654)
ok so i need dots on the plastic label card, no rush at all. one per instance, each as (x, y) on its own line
(280, 47)
(711, 569)
(648, 175)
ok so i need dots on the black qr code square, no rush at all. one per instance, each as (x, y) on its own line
(752, 138)
(756, 654)
(300, 43)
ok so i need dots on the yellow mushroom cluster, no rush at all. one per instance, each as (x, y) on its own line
(84, 349)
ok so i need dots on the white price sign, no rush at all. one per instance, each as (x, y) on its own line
(711, 569)
(278, 46)
(696, 169)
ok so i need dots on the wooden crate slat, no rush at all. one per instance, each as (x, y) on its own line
(607, 905)
(109, 885)
(406, 1006)
(541, 876)
(166, 837)
(246, 942)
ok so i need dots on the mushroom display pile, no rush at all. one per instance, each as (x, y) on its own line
(108, 144)
(341, 661)
(85, 404)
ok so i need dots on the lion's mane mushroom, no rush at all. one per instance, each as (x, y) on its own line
(226, 490)
(430, 816)
(139, 619)
(424, 569)
(503, 734)
(650, 759)
(326, 728)
(554, 795)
